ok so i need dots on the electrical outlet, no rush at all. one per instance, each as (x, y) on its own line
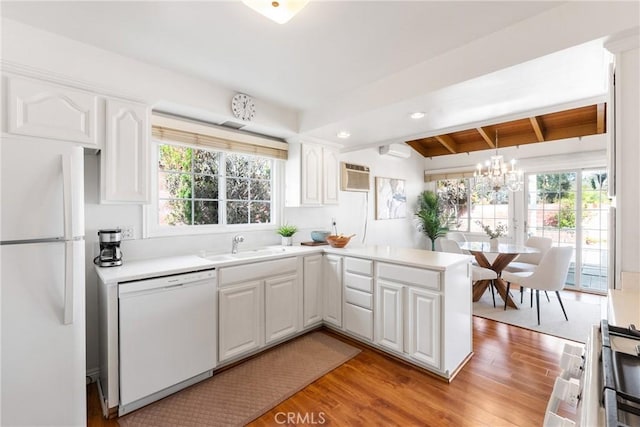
(127, 232)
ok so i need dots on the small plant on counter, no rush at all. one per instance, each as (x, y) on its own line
(286, 230)
(501, 230)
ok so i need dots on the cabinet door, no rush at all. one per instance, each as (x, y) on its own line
(423, 333)
(312, 290)
(389, 315)
(239, 319)
(281, 307)
(311, 179)
(41, 109)
(125, 158)
(331, 176)
(333, 289)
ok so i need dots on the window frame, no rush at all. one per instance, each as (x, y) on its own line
(152, 228)
(510, 214)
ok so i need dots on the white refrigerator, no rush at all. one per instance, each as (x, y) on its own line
(42, 284)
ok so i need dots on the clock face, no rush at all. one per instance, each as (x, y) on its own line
(243, 107)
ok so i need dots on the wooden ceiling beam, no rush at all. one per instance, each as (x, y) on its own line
(600, 118)
(537, 128)
(484, 133)
(419, 147)
(447, 142)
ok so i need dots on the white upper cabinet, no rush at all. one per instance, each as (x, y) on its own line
(331, 176)
(46, 110)
(313, 174)
(124, 172)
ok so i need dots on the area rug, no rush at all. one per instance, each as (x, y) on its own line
(241, 394)
(581, 315)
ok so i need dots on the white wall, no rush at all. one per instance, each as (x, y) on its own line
(627, 151)
(354, 209)
(117, 75)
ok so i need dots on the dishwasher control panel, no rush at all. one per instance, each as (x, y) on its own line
(166, 281)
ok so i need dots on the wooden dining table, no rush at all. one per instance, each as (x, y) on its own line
(506, 253)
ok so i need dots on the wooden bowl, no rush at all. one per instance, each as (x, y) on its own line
(338, 241)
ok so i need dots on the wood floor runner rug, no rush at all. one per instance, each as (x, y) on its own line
(240, 394)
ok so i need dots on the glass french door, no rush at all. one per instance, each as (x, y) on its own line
(572, 208)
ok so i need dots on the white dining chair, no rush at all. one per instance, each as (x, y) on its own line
(549, 276)
(529, 262)
(456, 236)
(477, 272)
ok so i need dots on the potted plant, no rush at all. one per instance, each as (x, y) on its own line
(432, 224)
(501, 230)
(287, 231)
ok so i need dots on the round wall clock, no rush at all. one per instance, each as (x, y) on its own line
(243, 107)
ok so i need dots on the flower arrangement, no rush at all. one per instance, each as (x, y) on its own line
(501, 230)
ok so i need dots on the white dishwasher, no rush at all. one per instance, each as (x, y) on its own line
(167, 335)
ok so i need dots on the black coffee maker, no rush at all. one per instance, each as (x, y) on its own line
(110, 253)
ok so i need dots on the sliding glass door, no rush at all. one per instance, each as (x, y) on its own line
(572, 208)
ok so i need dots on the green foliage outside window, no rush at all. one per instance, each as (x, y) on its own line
(195, 185)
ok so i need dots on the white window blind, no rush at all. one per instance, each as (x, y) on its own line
(190, 132)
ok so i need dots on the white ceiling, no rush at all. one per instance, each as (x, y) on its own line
(329, 51)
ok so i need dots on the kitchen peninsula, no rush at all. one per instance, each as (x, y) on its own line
(413, 304)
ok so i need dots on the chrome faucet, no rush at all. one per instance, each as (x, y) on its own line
(238, 238)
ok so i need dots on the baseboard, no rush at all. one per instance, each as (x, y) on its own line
(93, 375)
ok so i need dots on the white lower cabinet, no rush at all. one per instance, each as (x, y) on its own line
(423, 326)
(389, 310)
(240, 314)
(333, 290)
(408, 317)
(358, 297)
(281, 307)
(359, 321)
(258, 304)
(312, 290)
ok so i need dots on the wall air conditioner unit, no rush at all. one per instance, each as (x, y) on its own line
(396, 150)
(354, 177)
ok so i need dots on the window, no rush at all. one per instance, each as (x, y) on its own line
(198, 187)
(464, 206)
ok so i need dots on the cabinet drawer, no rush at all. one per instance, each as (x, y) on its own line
(359, 321)
(257, 270)
(409, 275)
(360, 266)
(356, 281)
(363, 299)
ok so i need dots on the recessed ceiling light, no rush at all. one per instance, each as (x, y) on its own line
(417, 115)
(343, 134)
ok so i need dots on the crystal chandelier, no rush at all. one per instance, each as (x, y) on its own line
(498, 174)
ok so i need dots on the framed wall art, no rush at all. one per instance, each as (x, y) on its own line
(391, 198)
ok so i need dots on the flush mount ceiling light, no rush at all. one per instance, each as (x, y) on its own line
(279, 11)
(417, 115)
(343, 134)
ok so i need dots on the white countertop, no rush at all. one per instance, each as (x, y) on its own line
(140, 269)
(405, 256)
(135, 270)
(624, 304)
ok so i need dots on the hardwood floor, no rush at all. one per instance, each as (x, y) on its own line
(506, 382)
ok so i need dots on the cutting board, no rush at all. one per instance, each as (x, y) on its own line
(313, 243)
